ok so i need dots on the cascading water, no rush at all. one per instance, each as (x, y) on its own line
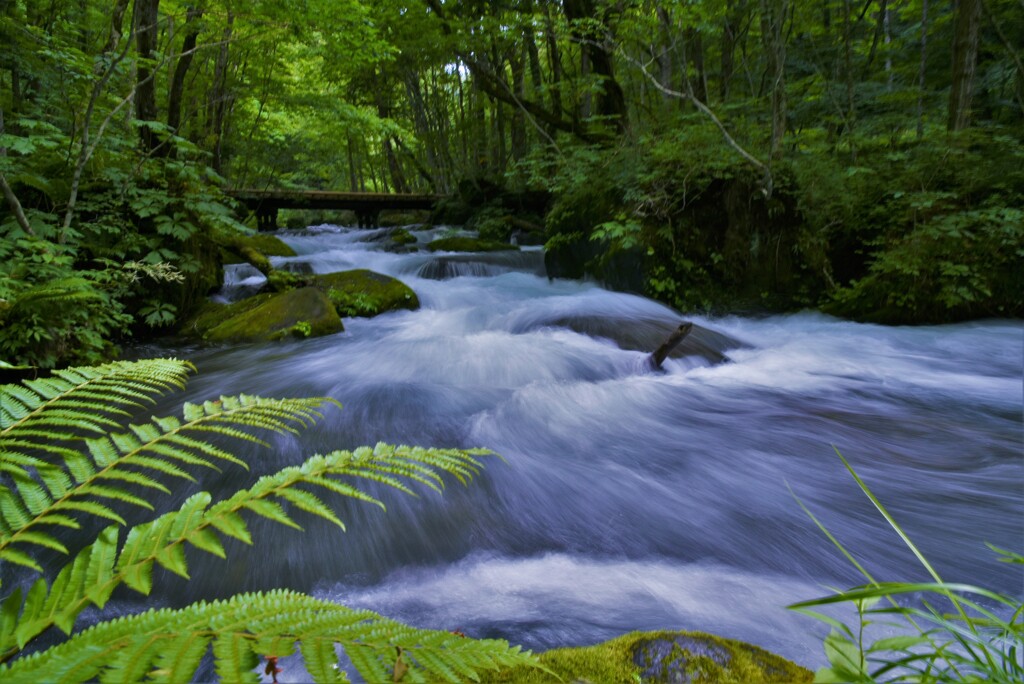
(626, 499)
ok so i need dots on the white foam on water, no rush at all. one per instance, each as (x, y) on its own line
(562, 599)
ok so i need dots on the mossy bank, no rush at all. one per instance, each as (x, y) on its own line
(661, 657)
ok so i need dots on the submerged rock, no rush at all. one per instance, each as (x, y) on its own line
(662, 658)
(305, 312)
(641, 334)
(366, 293)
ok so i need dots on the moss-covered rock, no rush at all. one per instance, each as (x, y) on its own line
(366, 293)
(212, 314)
(468, 244)
(402, 236)
(305, 312)
(662, 657)
(266, 245)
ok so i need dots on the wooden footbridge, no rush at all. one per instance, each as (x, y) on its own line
(366, 205)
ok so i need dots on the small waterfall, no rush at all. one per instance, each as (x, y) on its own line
(483, 265)
(240, 281)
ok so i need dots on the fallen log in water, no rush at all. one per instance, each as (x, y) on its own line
(658, 357)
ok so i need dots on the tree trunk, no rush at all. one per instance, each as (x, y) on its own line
(665, 53)
(965, 59)
(851, 104)
(611, 102)
(146, 33)
(730, 26)
(353, 184)
(419, 117)
(773, 16)
(922, 70)
(517, 126)
(218, 100)
(116, 24)
(695, 48)
(554, 62)
(536, 73)
(177, 89)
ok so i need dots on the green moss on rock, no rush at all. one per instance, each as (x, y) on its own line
(265, 245)
(468, 244)
(403, 237)
(306, 312)
(212, 314)
(660, 658)
(366, 293)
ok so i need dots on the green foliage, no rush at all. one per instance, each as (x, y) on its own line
(947, 236)
(623, 232)
(66, 458)
(349, 304)
(302, 329)
(982, 639)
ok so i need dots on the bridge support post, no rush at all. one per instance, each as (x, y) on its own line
(266, 218)
(368, 218)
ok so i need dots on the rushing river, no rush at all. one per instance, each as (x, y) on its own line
(626, 499)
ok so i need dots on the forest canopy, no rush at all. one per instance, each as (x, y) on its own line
(861, 157)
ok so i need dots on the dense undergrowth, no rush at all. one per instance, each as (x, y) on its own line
(914, 231)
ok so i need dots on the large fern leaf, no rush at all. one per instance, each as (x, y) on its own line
(61, 458)
(106, 563)
(168, 645)
(91, 480)
(73, 399)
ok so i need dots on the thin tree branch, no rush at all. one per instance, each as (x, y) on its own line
(703, 108)
(12, 199)
(83, 157)
(88, 149)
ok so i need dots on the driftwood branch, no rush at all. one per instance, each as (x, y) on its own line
(661, 353)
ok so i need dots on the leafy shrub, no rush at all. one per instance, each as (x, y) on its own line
(934, 230)
(67, 461)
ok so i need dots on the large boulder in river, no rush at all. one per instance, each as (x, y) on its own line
(305, 312)
(661, 658)
(366, 293)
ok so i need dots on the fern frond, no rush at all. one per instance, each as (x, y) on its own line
(168, 644)
(61, 460)
(88, 481)
(162, 541)
(84, 398)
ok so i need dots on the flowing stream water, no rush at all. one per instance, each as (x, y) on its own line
(626, 499)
